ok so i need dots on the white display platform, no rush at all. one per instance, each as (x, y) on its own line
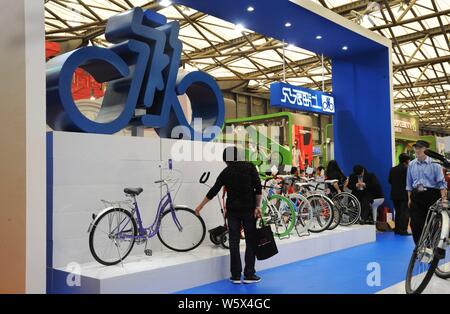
(168, 271)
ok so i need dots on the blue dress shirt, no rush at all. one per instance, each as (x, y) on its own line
(425, 173)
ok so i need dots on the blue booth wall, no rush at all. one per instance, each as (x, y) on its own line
(362, 124)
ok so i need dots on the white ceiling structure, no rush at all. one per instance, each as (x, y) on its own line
(242, 60)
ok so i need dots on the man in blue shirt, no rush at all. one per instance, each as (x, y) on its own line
(425, 185)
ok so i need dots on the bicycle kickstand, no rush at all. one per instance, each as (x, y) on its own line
(118, 251)
(285, 237)
(147, 252)
(302, 233)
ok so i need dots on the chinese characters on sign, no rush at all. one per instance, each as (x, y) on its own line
(298, 98)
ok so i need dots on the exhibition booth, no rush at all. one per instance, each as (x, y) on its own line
(88, 165)
(83, 169)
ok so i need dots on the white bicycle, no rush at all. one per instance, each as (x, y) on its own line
(432, 254)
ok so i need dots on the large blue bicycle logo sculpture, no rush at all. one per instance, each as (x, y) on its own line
(141, 69)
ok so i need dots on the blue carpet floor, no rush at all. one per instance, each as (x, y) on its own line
(340, 272)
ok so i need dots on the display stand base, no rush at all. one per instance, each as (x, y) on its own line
(168, 272)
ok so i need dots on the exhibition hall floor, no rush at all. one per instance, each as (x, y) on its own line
(342, 272)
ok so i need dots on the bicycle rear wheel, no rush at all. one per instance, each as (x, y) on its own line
(323, 213)
(111, 238)
(225, 240)
(443, 269)
(423, 260)
(349, 207)
(186, 236)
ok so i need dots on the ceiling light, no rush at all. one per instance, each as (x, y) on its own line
(250, 9)
(345, 48)
(287, 24)
(318, 37)
(165, 3)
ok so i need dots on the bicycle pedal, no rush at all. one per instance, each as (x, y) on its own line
(148, 252)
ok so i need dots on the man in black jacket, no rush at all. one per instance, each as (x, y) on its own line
(366, 188)
(244, 193)
(399, 195)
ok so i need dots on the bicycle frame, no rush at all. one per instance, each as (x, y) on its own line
(146, 233)
(436, 209)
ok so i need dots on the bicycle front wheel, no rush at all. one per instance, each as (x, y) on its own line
(279, 213)
(423, 260)
(181, 230)
(112, 236)
(323, 213)
(303, 208)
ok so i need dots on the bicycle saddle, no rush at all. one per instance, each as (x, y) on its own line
(133, 191)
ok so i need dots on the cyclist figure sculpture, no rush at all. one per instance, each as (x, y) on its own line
(141, 70)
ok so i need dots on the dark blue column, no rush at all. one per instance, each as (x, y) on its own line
(362, 124)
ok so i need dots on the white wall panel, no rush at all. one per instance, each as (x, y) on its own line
(88, 168)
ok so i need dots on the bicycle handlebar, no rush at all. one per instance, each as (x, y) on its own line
(443, 161)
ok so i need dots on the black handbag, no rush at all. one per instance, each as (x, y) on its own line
(266, 246)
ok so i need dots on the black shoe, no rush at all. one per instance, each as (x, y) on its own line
(252, 279)
(235, 280)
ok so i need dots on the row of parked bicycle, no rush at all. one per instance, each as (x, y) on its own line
(288, 203)
(303, 204)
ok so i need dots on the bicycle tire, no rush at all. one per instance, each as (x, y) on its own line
(292, 214)
(337, 217)
(195, 245)
(224, 240)
(444, 273)
(426, 280)
(301, 203)
(94, 228)
(213, 239)
(443, 268)
(355, 213)
(429, 234)
(320, 197)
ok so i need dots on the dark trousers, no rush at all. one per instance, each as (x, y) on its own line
(248, 221)
(421, 203)
(365, 199)
(401, 216)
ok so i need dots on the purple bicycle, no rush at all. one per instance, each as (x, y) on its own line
(113, 233)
